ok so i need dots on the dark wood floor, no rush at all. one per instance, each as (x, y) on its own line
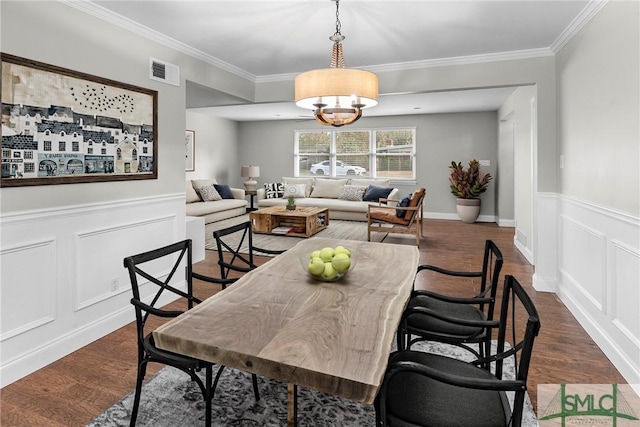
(77, 388)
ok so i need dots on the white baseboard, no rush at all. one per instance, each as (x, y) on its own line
(544, 284)
(455, 217)
(40, 356)
(523, 250)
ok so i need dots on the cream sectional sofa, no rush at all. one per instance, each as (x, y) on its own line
(213, 210)
(340, 196)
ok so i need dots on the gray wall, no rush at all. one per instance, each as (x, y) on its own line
(441, 138)
(216, 149)
(598, 109)
(95, 47)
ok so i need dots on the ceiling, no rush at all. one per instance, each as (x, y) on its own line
(265, 40)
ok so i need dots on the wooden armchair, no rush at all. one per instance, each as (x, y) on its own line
(384, 219)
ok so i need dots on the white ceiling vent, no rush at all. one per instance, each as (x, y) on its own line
(164, 72)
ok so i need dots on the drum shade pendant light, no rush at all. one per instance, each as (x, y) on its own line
(337, 95)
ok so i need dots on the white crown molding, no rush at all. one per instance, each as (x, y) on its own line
(100, 12)
(429, 63)
(585, 15)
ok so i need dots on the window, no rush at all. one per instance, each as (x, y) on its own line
(47, 145)
(395, 154)
(29, 167)
(62, 146)
(28, 154)
(375, 153)
(103, 151)
(75, 146)
(6, 154)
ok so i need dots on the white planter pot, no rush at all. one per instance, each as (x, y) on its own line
(468, 209)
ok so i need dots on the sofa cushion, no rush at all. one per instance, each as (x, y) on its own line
(274, 190)
(295, 190)
(404, 202)
(328, 188)
(367, 182)
(203, 182)
(191, 194)
(386, 215)
(352, 192)
(209, 193)
(224, 191)
(308, 182)
(220, 206)
(374, 193)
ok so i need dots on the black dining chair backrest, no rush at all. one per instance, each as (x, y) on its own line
(428, 389)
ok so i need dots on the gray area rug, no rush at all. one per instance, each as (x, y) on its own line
(170, 399)
(343, 230)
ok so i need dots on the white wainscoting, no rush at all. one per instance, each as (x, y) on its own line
(63, 280)
(590, 257)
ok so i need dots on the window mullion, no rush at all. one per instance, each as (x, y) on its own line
(333, 154)
(372, 153)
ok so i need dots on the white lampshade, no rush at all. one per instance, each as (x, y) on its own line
(331, 86)
(250, 171)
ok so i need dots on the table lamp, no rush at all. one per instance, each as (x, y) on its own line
(250, 172)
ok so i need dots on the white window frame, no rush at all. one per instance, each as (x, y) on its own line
(372, 150)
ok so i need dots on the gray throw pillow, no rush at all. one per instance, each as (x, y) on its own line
(352, 192)
(209, 193)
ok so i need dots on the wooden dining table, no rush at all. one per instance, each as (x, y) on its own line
(278, 322)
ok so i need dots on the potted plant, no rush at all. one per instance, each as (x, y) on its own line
(291, 203)
(467, 185)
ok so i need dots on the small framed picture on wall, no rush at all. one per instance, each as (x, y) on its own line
(190, 150)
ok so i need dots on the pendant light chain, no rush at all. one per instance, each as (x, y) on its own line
(338, 23)
(337, 56)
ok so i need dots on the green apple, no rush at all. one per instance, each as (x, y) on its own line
(315, 254)
(341, 262)
(316, 266)
(326, 254)
(329, 272)
(341, 250)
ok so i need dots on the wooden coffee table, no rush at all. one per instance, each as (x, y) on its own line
(303, 222)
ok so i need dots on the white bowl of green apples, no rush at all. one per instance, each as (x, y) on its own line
(329, 264)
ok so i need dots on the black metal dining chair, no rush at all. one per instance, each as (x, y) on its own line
(431, 316)
(236, 252)
(426, 389)
(151, 268)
